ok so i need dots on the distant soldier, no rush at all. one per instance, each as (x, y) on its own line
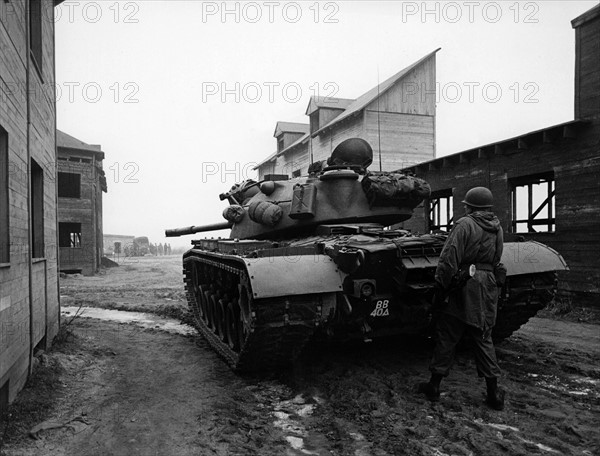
(476, 239)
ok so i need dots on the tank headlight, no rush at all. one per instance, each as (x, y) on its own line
(367, 289)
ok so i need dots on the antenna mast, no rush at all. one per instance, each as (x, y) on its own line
(378, 123)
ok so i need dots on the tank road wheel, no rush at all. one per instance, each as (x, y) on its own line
(242, 333)
(214, 305)
(220, 312)
(208, 292)
(202, 300)
(245, 313)
(209, 308)
(200, 308)
(232, 325)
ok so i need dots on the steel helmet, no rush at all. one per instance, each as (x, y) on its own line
(352, 151)
(480, 197)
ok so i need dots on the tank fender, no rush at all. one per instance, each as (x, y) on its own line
(293, 275)
(531, 257)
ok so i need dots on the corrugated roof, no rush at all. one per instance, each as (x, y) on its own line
(364, 100)
(317, 102)
(290, 127)
(70, 142)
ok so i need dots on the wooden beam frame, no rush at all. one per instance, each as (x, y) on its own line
(522, 144)
(531, 220)
(437, 204)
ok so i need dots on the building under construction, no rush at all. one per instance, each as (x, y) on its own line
(81, 182)
(546, 183)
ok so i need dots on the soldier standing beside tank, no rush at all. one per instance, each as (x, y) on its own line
(476, 239)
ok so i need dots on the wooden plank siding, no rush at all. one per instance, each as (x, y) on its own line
(405, 139)
(413, 94)
(29, 309)
(324, 144)
(587, 69)
(86, 210)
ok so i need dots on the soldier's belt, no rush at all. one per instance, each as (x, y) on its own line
(478, 266)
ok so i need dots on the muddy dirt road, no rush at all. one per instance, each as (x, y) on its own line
(130, 388)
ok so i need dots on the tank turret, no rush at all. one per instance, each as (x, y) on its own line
(343, 192)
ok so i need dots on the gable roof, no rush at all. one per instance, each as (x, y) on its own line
(589, 15)
(290, 127)
(271, 157)
(66, 141)
(364, 100)
(300, 140)
(317, 102)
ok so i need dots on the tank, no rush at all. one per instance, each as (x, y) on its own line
(321, 256)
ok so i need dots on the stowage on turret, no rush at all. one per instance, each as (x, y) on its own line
(315, 256)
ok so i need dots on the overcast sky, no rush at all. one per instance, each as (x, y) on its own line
(184, 96)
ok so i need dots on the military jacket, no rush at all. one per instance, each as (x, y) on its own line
(475, 239)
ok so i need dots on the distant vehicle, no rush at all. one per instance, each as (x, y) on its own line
(140, 246)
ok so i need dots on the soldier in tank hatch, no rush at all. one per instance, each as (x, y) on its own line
(471, 294)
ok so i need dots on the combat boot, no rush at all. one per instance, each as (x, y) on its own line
(431, 389)
(495, 395)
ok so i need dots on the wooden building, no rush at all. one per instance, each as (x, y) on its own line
(29, 296)
(397, 118)
(81, 182)
(546, 183)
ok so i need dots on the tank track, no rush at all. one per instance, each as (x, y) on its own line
(527, 295)
(250, 334)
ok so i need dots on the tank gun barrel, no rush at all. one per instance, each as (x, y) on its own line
(197, 229)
